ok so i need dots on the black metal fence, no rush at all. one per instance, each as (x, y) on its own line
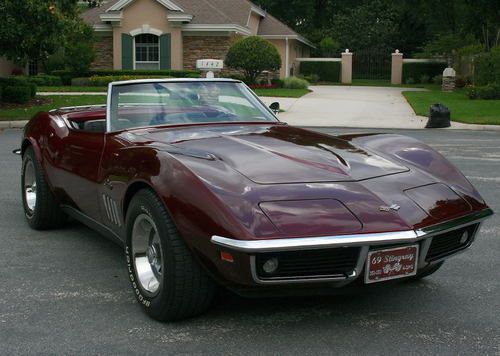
(371, 65)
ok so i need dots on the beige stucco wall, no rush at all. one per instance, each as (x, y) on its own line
(296, 49)
(6, 67)
(254, 22)
(154, 15)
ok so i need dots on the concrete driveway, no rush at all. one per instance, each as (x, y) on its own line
(351, 106)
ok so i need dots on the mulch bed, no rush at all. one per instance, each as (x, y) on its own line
(33, 102)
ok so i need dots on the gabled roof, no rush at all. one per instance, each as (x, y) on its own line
(208, 12)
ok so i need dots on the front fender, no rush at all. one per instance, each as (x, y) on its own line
(419, 156)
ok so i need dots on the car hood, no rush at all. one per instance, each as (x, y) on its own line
(279, 154)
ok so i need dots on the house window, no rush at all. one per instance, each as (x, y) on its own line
(147, 52)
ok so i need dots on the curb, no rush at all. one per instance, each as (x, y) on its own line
(13, 124)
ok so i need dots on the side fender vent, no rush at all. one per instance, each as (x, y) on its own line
(112, 211)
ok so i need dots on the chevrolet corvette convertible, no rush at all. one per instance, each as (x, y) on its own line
(203, 186)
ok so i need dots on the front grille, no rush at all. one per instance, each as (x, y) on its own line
(450, 242)
(324, 263)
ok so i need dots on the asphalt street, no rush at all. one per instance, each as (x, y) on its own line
(67, 292)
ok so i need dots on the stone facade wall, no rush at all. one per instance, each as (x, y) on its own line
(104, 52)
(206, 47)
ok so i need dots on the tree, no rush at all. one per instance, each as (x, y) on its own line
(34, 29)
(253, 55)
(79, 50)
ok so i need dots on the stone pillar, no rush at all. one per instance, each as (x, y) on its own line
(397, 68)
(449, 76)
(346, 77)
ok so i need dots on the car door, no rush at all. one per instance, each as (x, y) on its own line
(76, 158)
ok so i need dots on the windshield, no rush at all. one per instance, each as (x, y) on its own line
(173, 103)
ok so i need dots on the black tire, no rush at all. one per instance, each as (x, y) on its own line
(185, 290)
(427, 271)
(46, 213)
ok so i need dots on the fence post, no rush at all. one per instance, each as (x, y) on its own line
(397, 68)
(346, 77)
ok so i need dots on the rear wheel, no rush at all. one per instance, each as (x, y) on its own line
(40, 207)
(167, 281)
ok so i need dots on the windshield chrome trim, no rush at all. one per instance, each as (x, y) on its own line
(307, 243)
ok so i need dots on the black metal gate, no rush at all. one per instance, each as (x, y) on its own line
(371, 65)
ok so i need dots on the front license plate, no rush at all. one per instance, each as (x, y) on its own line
(392, 263)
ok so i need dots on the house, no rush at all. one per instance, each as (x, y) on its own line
(173, 34)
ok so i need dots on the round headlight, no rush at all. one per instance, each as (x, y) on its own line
(270, 266)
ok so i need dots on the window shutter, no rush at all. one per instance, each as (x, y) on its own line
(127, 52)
(165, 51)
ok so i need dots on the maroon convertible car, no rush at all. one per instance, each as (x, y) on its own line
(204, 186)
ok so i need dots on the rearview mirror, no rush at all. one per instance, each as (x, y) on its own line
(275, 107)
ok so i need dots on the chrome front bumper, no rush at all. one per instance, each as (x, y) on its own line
(364, 241)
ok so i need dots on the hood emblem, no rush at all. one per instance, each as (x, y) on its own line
(387, 209)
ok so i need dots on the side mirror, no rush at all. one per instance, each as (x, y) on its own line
(275, 107)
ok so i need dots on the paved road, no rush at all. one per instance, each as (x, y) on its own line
(66, 292)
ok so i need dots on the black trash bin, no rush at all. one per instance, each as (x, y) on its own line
(439, 117)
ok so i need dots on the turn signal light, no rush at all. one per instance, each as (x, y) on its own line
(226, 256)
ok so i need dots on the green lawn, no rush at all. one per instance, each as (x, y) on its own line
(462, 109)
(56, 102)
(282, 93)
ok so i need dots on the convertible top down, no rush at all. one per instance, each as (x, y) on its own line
(204, 186)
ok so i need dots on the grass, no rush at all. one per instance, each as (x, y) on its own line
(26, 113)
(486, 112)
(382, 83)
(282, 93)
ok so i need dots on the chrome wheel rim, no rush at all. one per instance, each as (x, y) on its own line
(30, 186)
(147, 254)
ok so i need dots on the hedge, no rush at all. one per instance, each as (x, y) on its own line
(18, 82)
(102, 81)
(418, 70)
(66, 75)
(44, 80)
(327, 71)
(16, 95)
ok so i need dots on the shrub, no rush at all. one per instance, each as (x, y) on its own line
(488, 92)
(278, 82)
(295, 83)
(0, 94)
(18, 82)
(471, 93)
(410, 81)
(418, 69)
(16, 95)
(66, 76)
(425, 79)
(437, 79)
(253, 55)
(326, 71)
(488, 67)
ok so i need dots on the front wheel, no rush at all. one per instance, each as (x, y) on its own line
(166, 279)
(40, 207)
